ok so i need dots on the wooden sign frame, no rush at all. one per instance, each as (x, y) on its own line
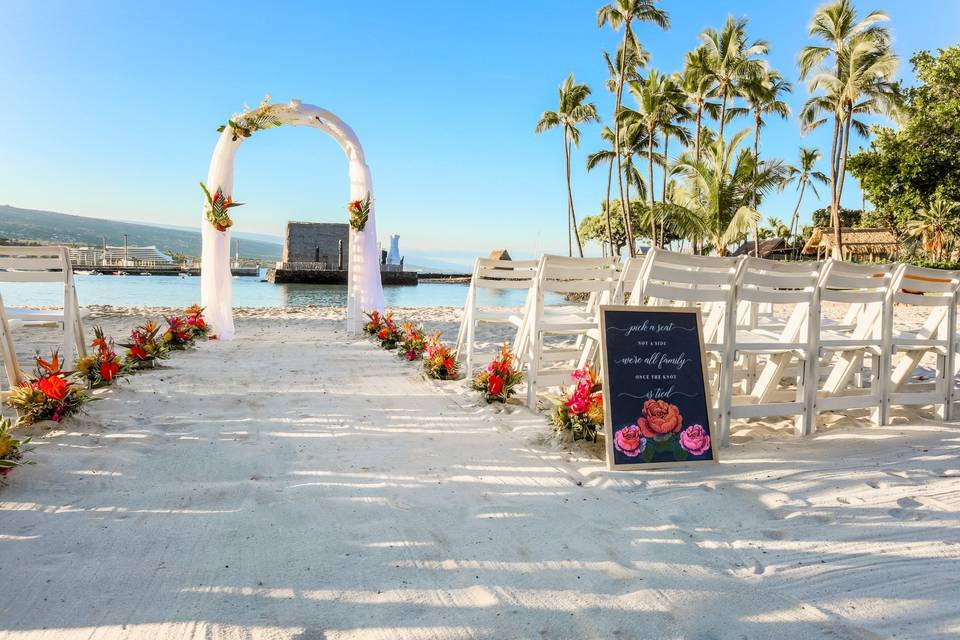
(608, 427)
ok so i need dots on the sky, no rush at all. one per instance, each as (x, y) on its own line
(110, 109)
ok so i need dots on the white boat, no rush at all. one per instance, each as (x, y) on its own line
(145, 273)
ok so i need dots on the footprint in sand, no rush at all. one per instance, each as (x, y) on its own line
(907, 510)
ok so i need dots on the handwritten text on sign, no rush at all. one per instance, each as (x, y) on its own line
(657, 402)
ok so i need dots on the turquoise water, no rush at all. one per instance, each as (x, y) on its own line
(173, 291)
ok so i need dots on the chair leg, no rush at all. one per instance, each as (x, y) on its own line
(536, 348)
(875, 409)
(942, 388)
(883, 387)
(470, 347)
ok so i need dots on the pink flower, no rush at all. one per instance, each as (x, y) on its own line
(630, 441)
(694, 439)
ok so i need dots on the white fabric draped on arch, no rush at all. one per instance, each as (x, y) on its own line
(364, 290)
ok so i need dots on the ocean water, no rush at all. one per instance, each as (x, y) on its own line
(174, 291)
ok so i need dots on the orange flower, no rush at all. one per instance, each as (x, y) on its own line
(660, 418)
(53, 366)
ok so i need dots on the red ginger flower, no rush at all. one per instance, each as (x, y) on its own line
(54, 387)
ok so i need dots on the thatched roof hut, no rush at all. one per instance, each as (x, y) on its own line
(768, 248)
(868, 243)
(500, 254)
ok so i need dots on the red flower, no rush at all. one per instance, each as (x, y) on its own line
(448, 363)
(54, 387)
(108, 370)
(138, 352)
(494, 385)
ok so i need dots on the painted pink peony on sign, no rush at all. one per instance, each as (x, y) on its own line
(694, 440)
(630, 441)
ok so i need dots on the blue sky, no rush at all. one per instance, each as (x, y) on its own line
(110, 108)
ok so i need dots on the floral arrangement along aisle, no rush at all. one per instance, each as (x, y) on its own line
(144, 350)
(11, 449)
(47, 395)
(103, 366)
(660, 428)
(179, 335)
(412, 343)
(498, 381)
(579, 410)
(439, 362)
(374, 323)
(388, 336)
(196, 323)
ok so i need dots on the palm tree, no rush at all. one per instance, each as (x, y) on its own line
(673, 125)
(720, 187)
(594, 160)
(936, 226)
(654, 109)
(730, 60)
(763, 93)
(624, 13)
(854, 68)
(573, 110)
(805, 175)
(698, 85)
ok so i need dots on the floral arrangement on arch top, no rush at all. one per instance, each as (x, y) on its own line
(250, 121)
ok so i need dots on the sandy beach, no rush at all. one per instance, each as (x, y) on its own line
(297, 483)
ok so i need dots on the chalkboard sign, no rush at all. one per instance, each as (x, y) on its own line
(655, 392)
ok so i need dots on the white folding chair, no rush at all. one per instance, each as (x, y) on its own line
(630, 272)
(49, 264)
(864, 332)
(784, 349)
(707, 282)
(9, 353)
(492, 277)
(930, 293)
(544, 345)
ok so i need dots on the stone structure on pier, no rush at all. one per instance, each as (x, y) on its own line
(316, 245)
(319, 253)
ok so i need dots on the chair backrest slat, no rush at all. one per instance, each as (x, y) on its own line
(34, 264)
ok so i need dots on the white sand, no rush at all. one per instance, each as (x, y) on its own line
(298, 484)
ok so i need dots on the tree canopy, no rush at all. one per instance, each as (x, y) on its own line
(904, 170)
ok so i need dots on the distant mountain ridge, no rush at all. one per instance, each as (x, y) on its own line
(63, 228)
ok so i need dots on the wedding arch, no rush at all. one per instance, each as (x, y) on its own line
(364, 290)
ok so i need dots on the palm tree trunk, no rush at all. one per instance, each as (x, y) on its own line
(573, 215)
(663, 189)
(756, 163)
(834, 211)
(653, 220)
(841, 174)
(723, 113)
(796, 215)
(696, 143)
(624, 201)
(613, 251)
